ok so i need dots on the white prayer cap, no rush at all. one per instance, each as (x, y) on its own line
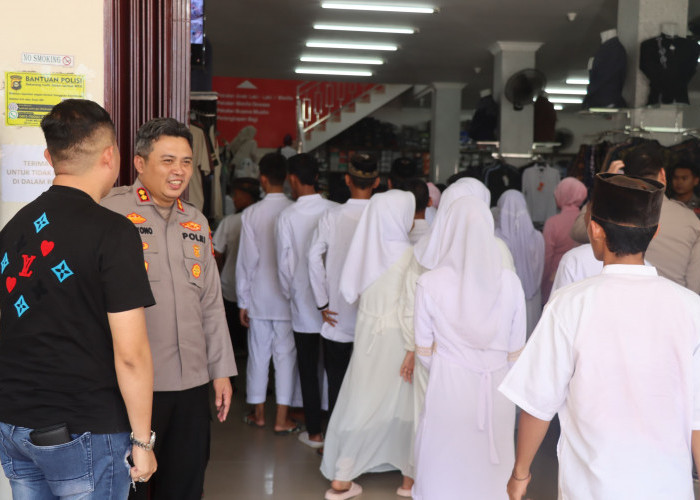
(380, 239)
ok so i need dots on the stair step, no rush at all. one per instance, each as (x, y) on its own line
(336, 117)
(366, 98)
(380, 89)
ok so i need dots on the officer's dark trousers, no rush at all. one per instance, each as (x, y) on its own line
(182, 422)
(308, 347)
(336, 358)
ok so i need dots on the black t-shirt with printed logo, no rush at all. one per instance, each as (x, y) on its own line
(65, 262)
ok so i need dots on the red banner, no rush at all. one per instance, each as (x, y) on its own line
(267, 105)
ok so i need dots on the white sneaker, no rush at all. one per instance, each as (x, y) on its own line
(304, 438)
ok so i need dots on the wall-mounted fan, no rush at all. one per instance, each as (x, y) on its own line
(524, 86)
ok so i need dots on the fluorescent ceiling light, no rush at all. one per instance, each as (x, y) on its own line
(329, 71)
(565, 100)
(558, 107)
(351, 45)
(412, 9)
(565, 91)
(341, 60)
(577, 81)
(367, 29)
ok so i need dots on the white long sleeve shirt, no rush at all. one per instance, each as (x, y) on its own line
(257, 281)
(295, 227)
(327, 253)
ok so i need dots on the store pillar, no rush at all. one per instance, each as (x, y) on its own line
(516, 128)
(444, 130)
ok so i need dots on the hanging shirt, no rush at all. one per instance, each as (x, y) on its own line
(617, 356)
(327, 253)
(257, 283)
(294, 230)
(200, 166)
(539, 183)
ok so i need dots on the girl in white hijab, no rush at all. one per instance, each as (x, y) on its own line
(526, 244)
(469, 318)
(371, 426)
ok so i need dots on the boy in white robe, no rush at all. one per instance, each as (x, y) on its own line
(617, 356)
(327, 253)
(263, 308)
(294, 230)
(420, 225)
(371, 427)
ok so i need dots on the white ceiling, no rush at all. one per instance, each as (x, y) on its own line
(265, 38)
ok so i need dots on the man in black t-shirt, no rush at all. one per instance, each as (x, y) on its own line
(74, 353)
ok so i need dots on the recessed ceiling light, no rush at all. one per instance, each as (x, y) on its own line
(341, 60)
(412, 9)
(365, 29)
(329, 71)
(577, 81)
(352, 45)
(565, 91)
(565, 100)
(558, 107)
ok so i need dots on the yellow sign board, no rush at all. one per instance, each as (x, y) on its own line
(30, 96)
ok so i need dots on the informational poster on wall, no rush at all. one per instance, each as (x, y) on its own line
(30, 96)
(25, 172)
(267, 105)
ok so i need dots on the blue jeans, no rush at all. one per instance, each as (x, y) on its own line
(90, 467)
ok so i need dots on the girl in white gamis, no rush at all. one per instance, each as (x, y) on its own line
(469, 327)
(372, 424)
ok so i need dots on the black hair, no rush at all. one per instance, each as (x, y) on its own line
(402, 169)
(646, 160)
(304, 167)
(420, 191)
(688, 166)
(274, 167)
(626, 240)
(248, 185)
(156, 128)
(287, 140)
(70, 124)
(362, 182)
(441, 186)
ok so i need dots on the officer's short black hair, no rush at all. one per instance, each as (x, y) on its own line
(274, 167)
(156, 128)
(304, 167)
(71, 124)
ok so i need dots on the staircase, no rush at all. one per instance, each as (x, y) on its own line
(325, 109)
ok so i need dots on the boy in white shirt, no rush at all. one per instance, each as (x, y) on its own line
(617, 356)
(419, 189)
(263, 308)
(327, 254)
(295, 227)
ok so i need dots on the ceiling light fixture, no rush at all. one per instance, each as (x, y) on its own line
(340, 60)
(565, 100)
(558, 107)
(329, 71)
(351, 45)
(366, 29)
(577, 81)
(411, 9)
(565, 91)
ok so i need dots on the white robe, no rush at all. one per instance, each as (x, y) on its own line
(575, 265)
(464, 446)
(371, 426)
(617, 356)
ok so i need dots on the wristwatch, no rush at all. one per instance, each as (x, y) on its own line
(146, 446)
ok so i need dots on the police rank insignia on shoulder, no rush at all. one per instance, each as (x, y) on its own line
(143, 194)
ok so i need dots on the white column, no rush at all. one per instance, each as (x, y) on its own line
(444, 130)
(516, 127)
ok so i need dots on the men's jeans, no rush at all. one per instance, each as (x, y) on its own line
(91, 467)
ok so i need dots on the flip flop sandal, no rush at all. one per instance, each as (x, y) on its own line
(248, 419)
(287, 432)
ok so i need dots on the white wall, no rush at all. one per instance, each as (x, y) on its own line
(68, 27)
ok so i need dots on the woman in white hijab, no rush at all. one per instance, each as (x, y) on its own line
(371, 426)
(469, 324)
(526, 244)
